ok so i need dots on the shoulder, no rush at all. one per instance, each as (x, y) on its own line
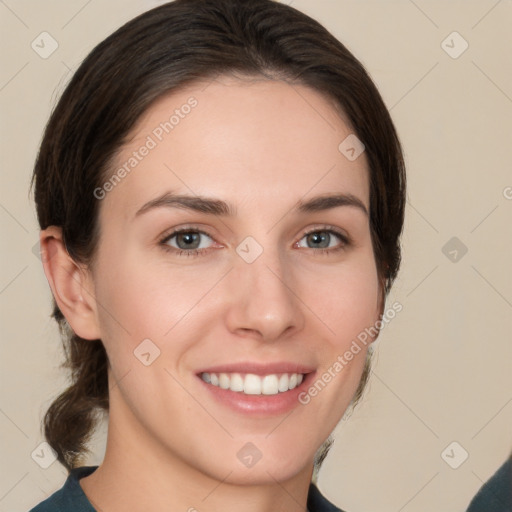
(496, 494)
(70, 497)
(318, 503)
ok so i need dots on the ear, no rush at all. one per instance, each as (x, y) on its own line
(71, 284)
(381, 303)
(382, 296)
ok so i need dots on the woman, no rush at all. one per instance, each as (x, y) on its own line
(220, 192)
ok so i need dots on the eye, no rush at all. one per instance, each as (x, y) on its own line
(187, 241)
(194, 242)
(326, 240)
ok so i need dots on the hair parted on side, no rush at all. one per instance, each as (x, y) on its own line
(167, 48)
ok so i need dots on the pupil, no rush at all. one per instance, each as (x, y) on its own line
(188, 238)
(319, 238)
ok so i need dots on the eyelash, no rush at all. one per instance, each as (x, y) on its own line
(345, 241)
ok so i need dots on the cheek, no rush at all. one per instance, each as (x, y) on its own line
(139, 301)
(346, 300)
(131, 307)
(346, 305)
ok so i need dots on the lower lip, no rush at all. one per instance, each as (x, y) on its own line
(259, 404)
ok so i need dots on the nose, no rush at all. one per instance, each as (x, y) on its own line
(262, 300)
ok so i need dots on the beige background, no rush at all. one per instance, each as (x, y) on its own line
(443, 367)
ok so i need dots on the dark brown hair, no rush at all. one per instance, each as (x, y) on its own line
(159, 51)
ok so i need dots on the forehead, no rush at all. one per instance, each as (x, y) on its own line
(245, 141)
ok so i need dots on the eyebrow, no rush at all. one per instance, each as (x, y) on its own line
(218, 207)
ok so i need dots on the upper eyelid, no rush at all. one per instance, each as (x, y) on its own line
(327, 227)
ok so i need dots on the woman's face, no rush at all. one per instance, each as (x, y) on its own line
(265, 280)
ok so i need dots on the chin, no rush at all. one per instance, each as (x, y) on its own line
(251, 466)
(266, 474)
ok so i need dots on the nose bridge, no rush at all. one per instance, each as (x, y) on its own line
(270, 276)
(264, 301)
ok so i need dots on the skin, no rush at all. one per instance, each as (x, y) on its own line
(261, 146)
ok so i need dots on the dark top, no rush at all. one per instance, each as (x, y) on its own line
(71, 498)
(496, 494)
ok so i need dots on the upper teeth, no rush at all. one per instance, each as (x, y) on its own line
(252, 384)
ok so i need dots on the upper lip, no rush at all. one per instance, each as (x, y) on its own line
(259, 368)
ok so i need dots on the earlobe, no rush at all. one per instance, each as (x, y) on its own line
(70, 284)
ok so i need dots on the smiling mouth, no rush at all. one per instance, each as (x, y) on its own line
(252, 384)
